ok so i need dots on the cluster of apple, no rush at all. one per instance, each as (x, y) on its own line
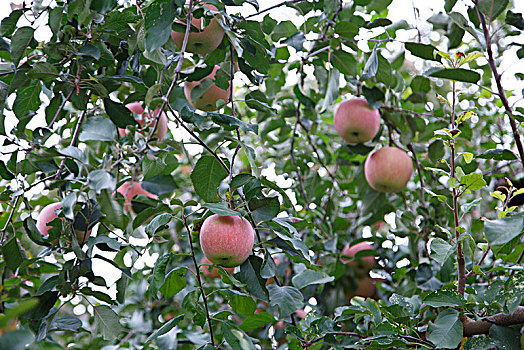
(387, 169)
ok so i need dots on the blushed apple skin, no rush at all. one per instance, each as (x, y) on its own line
(130, 190)
(366, 263)
(136, 108)
(203, 42)
(208, 101)
(226, 240)
(388, 169)
(204, 264)
(355, 121)
(47, 215)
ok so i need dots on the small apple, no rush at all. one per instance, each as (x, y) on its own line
(204, 264)
(388, 169)
(226, 240)
(202, 42)
(366, 263)
(206, 100)
(130, 190)
(142, 118)
(47, 215)
(355, 121)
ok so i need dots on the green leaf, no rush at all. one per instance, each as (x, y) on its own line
(43, 71)
(231, 123)
(107, 322)
(4, 88)
(473, 182)
(284, 29)
(250, 275)
(441, 250)
(12, 254)
(159, 18)
(103, 6)
(503, 230)
(207, 176)
(175, 282)
(160, 184)
(89, 50)
(427, 52)
(165, 328)
(101, 180)
(507, 338)
(257, 321)
(491, 8)
(9, 23)
(156, 223)
(446, 331)
(17, 340)
(309, 277)
(371, 67)
(515, 19)
(346, 29)
(288, 299)
(221, 209)
(20, 42)
(66, 323)
(332, 91)
(159, 275)
(379, 22)
(264, 209)
(498, 154)
(120, 115)
(27, 99)
(444, 298)
(344, 62)
(241, 303)
(457, 74)
(97, 129)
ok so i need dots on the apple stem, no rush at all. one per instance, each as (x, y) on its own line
(199, 279)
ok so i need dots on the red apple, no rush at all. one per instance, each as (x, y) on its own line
(366, 263)
(226, 240)
(204, 264)
(130, 190)
(355, 121)
(142, 118)
(47, 215)
(207, 100)
(202, 42)
(366, 288)
(388, 169)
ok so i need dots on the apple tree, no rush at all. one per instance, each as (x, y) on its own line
(392, 223)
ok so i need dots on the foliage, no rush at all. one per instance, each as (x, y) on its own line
(449, 247)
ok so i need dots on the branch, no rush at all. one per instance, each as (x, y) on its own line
(472, 327)
(419, 171)
(274, 7)
(60, 108)
(498, 81)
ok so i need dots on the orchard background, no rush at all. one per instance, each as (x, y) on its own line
(445, 264)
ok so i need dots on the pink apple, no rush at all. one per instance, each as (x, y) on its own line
(208, 100)
(388, 169)
(47, 215)
(355, 121)
(202, 42)
(130, 190)
(204, 264)
(226, 240)
(141, 118)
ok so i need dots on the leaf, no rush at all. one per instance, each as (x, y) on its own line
(43, 71)
(165, 328)
(371, 67)
(503, 230)
(288, 299)
(101, 180)
(4, 88)
(332, 91)
(492, 8)
(444, 298)
(374, 96)
(457, 74)
(427, 52)
(309, 277)
(207, 176)
(257, 321)
(12, 254)
(175, 282)
(344, 62)
(97, 129)
(89, 50)
(66, 323)
(160, 184)
(107, 322)
(498, 154)
(302, 98)
(379, 22)
(17, 340)
(231, 123)
(507, 338)
(27, 99)
(156, 223)
(447, 330)
(250, 275)
(264, 209)
(20, 42)
(441, 250)
(284, 29)
(221, 209)
(120, 115)
(473, 182)
(515, 19)
(9, 23)
(159, 275)
(158, 21)
(296, 41)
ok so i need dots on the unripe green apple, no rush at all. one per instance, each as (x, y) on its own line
(202, 42)
(388, 169)
(226, 240)
(130, 190)
(207, 100)
(204, 264)
(365, 263)
(355, 121)
(142, 118)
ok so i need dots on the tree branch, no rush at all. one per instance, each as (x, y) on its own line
(472, 327)
(274, 7)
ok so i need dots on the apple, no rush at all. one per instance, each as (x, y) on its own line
(365, 263)
(207, 101)
(202, 42)
(142, 118)
(130, 190)
(355, 121)
(204, 263)
(47, 215)
(226, 240)
(366, 288)
(388, 169)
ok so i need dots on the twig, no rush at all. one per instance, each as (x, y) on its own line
(419, 171)
(472, 272)
(198, 278)
(14, 202)
(231, 88)
(60, 108)
(498, 81)
(274, 7)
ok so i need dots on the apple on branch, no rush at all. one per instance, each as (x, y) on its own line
(388, 169)
(141, 117)
(355, 121)
(204, 94)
